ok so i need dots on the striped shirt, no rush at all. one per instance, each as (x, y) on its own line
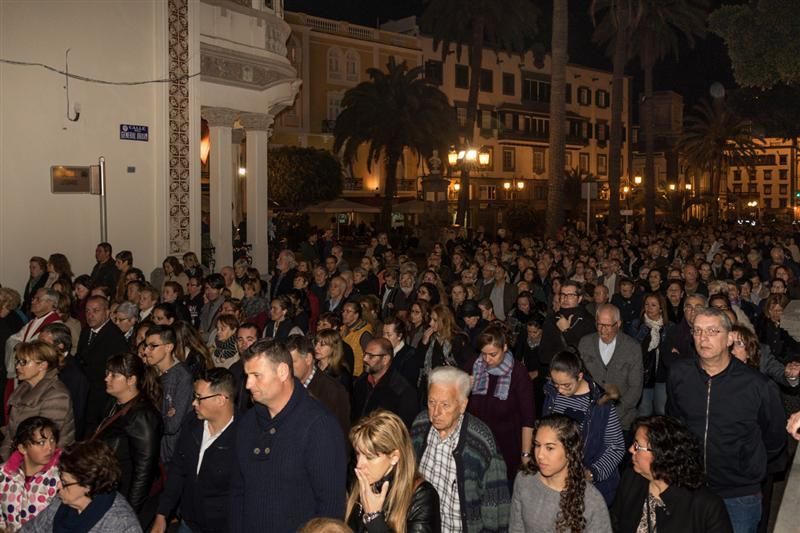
(576, 407)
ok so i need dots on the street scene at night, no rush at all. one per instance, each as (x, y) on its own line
(378, 266)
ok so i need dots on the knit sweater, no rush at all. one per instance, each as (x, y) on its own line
(289, 468)
(481, 472)
(535, 507)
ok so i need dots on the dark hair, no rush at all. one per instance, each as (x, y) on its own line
(331, 318)
(491, 335)
(62, 336)
(126, 256)
(93, 464)
(175, 286)
(662, 302)
(168, 309)
(250, 325)
(567, 362)
(106, 246)
(571, 505)
(220, 380)
(229, 320)
(85, 280)
(274, 351)
(300, 344)
(751, 345)
(187, 336)
(399, 325)
(286, 304)
(676, 454)
(215, 281)
(721, 297)
(26, 430)
(147, 383)
(355, 307)
(61, 265)
(432, 290)
(386, 346)
(172, 261)
(165, 333)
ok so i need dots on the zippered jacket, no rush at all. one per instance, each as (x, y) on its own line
(737, 417)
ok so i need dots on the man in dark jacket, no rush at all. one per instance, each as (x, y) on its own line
(104, 271)
(406, 360)
(380, 387)
(199, 475)
(290, 459)
(99, 340)
(735, 413)
(564, 330)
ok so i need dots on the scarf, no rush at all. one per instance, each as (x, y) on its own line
(481, 373)
(68, 520)
(655, 332)
(225, 349)
(447, 355)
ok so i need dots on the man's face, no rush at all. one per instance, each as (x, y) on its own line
(569, 297)
(674, 293)
(499, 275)
(212, 293)
(777, 287)
(229, 275)
(336, 289)
(376, 361)
(265, 380)
(330, 264)
(146, 300)
(471, 321)
(534, 332)
(245, 337)
(156, 351)
(445, 407)
(690, 308)
(349, 316)
(777, 255)
(169, 295)
(193, 287)
(302, 363)
(626, 290)
(690, 274)
(600, 294)
(487, 272)
(607, 326)
(100, 254)
(283, 262)
(40, 305)
(208, 407)
(710, 339)
(390, 334)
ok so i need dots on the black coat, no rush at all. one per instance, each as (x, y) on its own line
(392, 393)
(108, 342)
(105, 274)
(203, 496)
(74, 379)
(332, 394)
(423, 514)
(281, 285)
(135, 438)
(408, 363)
(685, 511)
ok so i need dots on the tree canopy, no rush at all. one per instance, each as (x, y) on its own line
(762, 41)
(299, 177)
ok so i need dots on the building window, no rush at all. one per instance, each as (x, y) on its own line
(753, 186)
(767, 175)
(784, 189)
(434, 72)
(535, 90)
(585, 130)
(602, 131)
(487, 81)
(462, 77)
(601, 98)
(783, 174)
(782, 159)
(508, 159)
(584, 162)
(486, 119)
(767, 190)
(538, 160)
(568, 92)
(487, 192)
(602, 164)
(568, 160)
(461, 116)
(584, 95)
(737, 175)
(352, 65)
(540, 192)
(508, 121)
(737, 188)
(509, 83)
(334, 104)
(334, 64)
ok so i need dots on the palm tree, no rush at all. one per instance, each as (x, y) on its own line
(502, 25)
(395, 110)
(656, 30)
(558, 119)
(713, 140)
(613, 31)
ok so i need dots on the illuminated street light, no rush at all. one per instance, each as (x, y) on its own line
(507, 185)
(472, 155)
(637, 180)
(483, 158)
(242, 171)
(452, 157)
(520, 185)
(672, 186)
(457, 187)
(688, 186)
(626, 189)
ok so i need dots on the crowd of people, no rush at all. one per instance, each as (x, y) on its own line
(625, 382)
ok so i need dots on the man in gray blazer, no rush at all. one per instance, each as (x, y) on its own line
(613, 358)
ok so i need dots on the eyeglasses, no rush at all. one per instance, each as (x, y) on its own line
(24, 362)
(708, 332)
(690, 307)
(639, 448)
(65, 485)
(606, 326)
(198, 399)
(369, 354)
(152, 346)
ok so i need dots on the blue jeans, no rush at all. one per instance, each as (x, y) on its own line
(183, 528)
(653, 400)
(744, 512)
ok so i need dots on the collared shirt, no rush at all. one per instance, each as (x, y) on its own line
(310, 377)
(606, 350)
(438, 466)
(399, 347)
(208, 440)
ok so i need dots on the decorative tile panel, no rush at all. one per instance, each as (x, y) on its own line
(179, 174)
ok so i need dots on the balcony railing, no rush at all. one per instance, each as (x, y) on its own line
(520, 135)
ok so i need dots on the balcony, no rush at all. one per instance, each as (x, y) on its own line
(521, 135)
(328, 126)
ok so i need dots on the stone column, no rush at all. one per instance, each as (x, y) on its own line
(220, 124)
(259, 129)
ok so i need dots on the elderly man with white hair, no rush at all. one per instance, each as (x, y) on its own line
(457, 454)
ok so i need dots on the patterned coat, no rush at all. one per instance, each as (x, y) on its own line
(22, 500)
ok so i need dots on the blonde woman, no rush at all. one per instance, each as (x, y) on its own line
(389, 493)
(329, 355)
(443, 343)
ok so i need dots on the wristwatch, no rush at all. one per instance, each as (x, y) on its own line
(526, 454)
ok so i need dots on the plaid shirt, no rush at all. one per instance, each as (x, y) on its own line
(439, 468)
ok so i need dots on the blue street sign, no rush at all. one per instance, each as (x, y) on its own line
(132, 132)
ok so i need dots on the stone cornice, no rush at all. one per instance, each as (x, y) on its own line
(219, 116)
(230, 67)
(256, 121)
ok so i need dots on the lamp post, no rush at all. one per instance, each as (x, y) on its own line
(464, 160)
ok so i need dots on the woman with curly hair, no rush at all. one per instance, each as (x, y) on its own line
(665, 490)
(551, 494)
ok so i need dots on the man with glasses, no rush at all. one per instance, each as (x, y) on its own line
(193, 300)
(734, 412)
(614, 361)
(380, 387)
(564, 330)
(199, 478)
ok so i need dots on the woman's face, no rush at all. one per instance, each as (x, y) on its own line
(50, 267)
(652, 308)
(160, 318)
(117, 384)
(423, 294)
(322, 351)
(782, 273)
(29, 368)
(72, 493)
(416, 315)
(524, 305)
(435, 322)
(41, 449)
(493, 355)
(776, 313)
(302, 266)
(642, 456)
(549, 452)
(375, 467)
(224, 332)
(366, 264)
(429, 277)
(457, 294)
(189, 261)
(276, 312)
(4, 311)
(168, 270)
(81, 292)
(739, 347)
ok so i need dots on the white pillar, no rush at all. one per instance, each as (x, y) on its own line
(259, 128)
(220, 123)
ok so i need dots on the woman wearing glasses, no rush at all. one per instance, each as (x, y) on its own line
(39, 393)
(664, 492)
(28, 479)
(132, 428)
(86, 499)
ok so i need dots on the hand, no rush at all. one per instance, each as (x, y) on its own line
(793, 425)
(426, 337)
(370, 502)
(159, 524)
(792, 370)
(563, 323)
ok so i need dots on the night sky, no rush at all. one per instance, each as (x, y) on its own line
(691, 74)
